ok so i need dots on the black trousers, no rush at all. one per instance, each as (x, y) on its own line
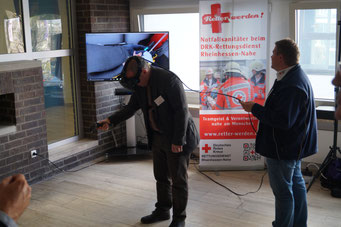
(170, 172)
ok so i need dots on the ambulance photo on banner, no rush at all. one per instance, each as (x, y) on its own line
(233, 53)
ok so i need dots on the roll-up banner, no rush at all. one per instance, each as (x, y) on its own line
(233, 52)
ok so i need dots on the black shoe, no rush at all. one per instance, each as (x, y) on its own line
(155, 217)
(177, 223)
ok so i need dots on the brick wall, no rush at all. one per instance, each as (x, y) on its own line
(26, 86)
(98, 99)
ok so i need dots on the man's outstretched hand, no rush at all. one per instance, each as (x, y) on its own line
(104, 124)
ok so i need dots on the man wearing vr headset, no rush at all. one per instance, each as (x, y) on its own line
(172, 134)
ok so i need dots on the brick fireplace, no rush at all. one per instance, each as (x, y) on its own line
(22, 121)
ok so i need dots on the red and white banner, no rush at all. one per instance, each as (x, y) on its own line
(233, 52)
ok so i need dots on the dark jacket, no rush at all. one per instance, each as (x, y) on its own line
(288, 128)
(171, 116)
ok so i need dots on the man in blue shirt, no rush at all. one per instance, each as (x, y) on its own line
(287, 133)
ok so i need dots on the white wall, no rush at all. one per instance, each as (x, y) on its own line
(278, 29)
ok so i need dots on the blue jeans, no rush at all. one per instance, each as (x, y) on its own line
(288, 186)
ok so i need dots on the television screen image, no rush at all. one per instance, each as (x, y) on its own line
(107, 52)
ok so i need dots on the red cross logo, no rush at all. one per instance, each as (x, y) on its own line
(206, 148)
(252, 152)
(239, 96)
(216, 18)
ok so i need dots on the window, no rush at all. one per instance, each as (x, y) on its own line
(47, 37)
(59, 99)
(11, 27)
(315, 32)
(183, 42)
(49, 25)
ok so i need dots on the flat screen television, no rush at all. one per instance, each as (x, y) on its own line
(107, 52)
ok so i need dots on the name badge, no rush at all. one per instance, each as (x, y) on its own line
(159, 100)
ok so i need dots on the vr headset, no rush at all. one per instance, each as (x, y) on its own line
(131, 83)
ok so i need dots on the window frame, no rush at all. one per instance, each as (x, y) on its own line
(293, 31)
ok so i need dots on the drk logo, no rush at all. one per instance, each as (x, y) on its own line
(216, 18)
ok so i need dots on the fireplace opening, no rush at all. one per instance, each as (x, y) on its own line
(7, 113)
